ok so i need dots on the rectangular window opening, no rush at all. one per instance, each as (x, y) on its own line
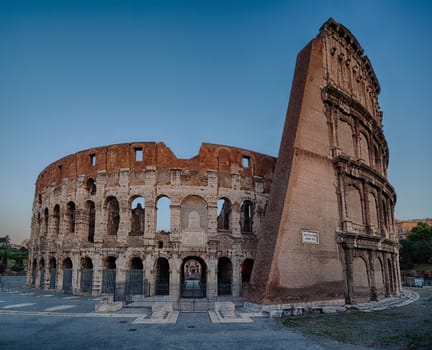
(138, 154)
(93, 159)
(246, 162)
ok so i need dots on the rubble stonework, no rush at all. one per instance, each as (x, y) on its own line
(314, 225)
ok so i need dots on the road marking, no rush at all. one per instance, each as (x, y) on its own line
(26, 293)
(70, 298)
(18, 305)
(60, 307)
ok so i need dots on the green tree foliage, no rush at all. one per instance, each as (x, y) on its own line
(422, 233)
(417, 248)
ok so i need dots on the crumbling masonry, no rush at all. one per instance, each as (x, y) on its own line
(314, 225)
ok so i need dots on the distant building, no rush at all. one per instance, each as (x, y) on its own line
(404, 227)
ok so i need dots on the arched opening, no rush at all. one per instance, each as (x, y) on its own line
(364, 148)
(361, 284)
(109, 275)
(113, 215)
(162, 277)
(46, 221)
(91, 212)
(134, 277)
(246, 270)
(86, 275)
(163, 215)
(56, 219)
(373, 212)
(34, 273)
(379, 279)
(246, 216)
(91, 187)
(223, 214)
(42, 274)
(53, 273)
(392, 277)
(67, 275)
(193, 278)
(354, 207)
(224, 277)
(137, 216)
(70, 217)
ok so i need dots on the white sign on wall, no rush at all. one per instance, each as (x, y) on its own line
(310, 237)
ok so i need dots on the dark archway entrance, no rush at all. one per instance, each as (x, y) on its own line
(224, 276)
(162, 277)
(67, 275)
(193, 278)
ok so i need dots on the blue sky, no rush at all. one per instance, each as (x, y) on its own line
(79, 74)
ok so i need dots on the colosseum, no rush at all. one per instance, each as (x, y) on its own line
(313, 226)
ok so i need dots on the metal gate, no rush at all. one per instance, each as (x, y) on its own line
(67, 280)
(34, 276)
(42, 278)
(134, 289)
(108, 281)
(86, 280)
(53, 274)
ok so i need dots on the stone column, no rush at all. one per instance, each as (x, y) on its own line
(349, 274)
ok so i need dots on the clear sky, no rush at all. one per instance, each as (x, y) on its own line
(79, 74)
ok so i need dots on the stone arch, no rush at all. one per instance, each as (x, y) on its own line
(163, 214)
(86, 280)
(364, 147)
(224, 211)
(70, 217)
(384, 218)
(354, 208)
(134, 277)
(34, 272)
(91, 186)
(345, 137)
(246, 216)
(361, 285)
(193, 214)
(246, 270)
(137, 212)
(91, 220)
(46, 222)
(42, 273)
(162, 276)
(194, 283)
(53, 273)
(109, 275)
(379, 278)
(373, 212)
(67, 275)
(224, 276)
(112, 209)
(377, 158)
(392, 277)
(56, 220)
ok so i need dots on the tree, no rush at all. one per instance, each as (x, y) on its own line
(422, 233)
(4, 248)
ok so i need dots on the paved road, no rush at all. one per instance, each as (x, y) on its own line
(25, 323)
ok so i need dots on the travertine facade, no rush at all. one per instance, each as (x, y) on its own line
(314, 225)
(85, 218)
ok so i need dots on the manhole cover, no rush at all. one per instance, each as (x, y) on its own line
(132, 329)
(123, 321)
(191, 326)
